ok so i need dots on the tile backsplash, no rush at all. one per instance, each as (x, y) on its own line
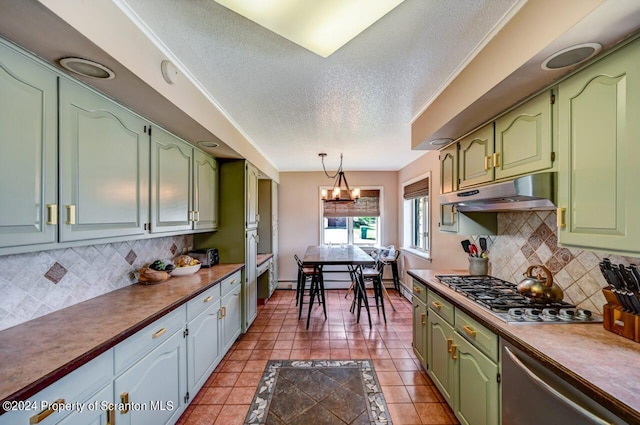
(37, 283)
(529, 238)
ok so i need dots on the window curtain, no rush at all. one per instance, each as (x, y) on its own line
(367, 206)
(417, 189)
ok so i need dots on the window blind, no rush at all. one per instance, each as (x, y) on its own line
(367, 206)
(417, 189)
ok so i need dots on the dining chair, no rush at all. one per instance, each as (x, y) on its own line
(390, 257)
(374, 276)
(315, 290)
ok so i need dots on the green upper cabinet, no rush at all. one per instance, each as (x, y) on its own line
(475, 156)
(449, 169)
(599, 141)
(252, 197)
(205, 191)
(28, 148)
(523, 139)
(104, 167)
(171, 182)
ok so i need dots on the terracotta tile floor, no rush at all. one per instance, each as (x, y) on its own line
(278, 334)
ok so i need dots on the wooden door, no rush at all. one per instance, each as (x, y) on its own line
(104, 167)
(599, 133)
(475, 157)
(28, 151)
(524, 139)
(171, 183)
(205, 191)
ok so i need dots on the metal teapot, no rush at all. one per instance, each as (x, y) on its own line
(540, 289)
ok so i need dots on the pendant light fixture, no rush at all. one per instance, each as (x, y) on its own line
(339, 193)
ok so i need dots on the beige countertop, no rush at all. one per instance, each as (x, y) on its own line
(35, 354)
(603, 365)
(262, 258)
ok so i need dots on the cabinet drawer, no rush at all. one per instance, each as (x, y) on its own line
(133, 348)
(485, 340)
(200, 303)
(75, 387)
(442, 307)
(264, 267)
(419, 291)
(230, 283)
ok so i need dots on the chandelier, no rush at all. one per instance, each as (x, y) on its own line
(338, 193)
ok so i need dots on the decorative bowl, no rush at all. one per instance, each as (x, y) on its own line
(185, 271)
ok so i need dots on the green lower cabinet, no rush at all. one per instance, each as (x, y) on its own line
(202, 347)
(440, 338)
(231, 318)
(93, 412)
(156, 386)
(476, 388)
(420, 331)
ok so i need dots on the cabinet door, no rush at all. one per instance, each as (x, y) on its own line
(420, 331)
(202, 347)
(599, 133)
(171, 180)
(104, 167)
(28, 147)
(440, 338)
(448, 218)
(232, 318)
(251, 279)
(476, 156)
(158, 381)
(449, 169)
(95, 416)
(524, 141)
(205, 191)
(476, 399)
(251, 207)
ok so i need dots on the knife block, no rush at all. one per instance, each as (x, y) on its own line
(618, 321)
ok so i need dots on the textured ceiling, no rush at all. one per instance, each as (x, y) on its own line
(293, 104)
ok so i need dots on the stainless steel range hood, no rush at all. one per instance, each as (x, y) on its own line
(533, 192)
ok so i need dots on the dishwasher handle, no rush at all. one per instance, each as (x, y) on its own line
(553, 392)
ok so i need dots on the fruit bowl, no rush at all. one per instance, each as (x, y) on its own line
(185, 271)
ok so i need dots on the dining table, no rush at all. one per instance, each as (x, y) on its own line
(351, 256)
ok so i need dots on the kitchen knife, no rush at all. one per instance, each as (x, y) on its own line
(609, 276)
(636, 273)
(627, 280)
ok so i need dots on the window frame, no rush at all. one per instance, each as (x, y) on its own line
(409, 225)
(350, 240)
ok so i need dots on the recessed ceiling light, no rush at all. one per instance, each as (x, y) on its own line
(320, 26)
(87, 68)
(440, 142)
(169, 71)
(571, 56)
(207, 144)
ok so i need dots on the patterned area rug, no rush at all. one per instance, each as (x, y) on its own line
(306, 392)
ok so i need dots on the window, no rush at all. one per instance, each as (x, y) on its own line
(352, 223)
(416, 215)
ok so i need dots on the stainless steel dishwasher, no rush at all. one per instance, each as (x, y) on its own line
(533, 395)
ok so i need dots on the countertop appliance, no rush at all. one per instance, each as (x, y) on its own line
(207, 256)
(504, 301)
(533, 395)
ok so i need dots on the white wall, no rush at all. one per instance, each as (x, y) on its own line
(299, 212)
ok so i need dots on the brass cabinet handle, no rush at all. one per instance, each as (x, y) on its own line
(487, 163)
(159, 333)
(36, 419)
(436, 305)
(209, 298)
(234, 281)
(560, 217)
(496, 159)
(52, 212)
(423, 316)
(190, 216)
(454, 349)
(71, 214)
(469, 331)
(416, 289)
(449, 343)
(196, 215)
(124, 398)
(111, 417)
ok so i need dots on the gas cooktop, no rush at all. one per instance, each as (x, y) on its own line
(504, 301)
